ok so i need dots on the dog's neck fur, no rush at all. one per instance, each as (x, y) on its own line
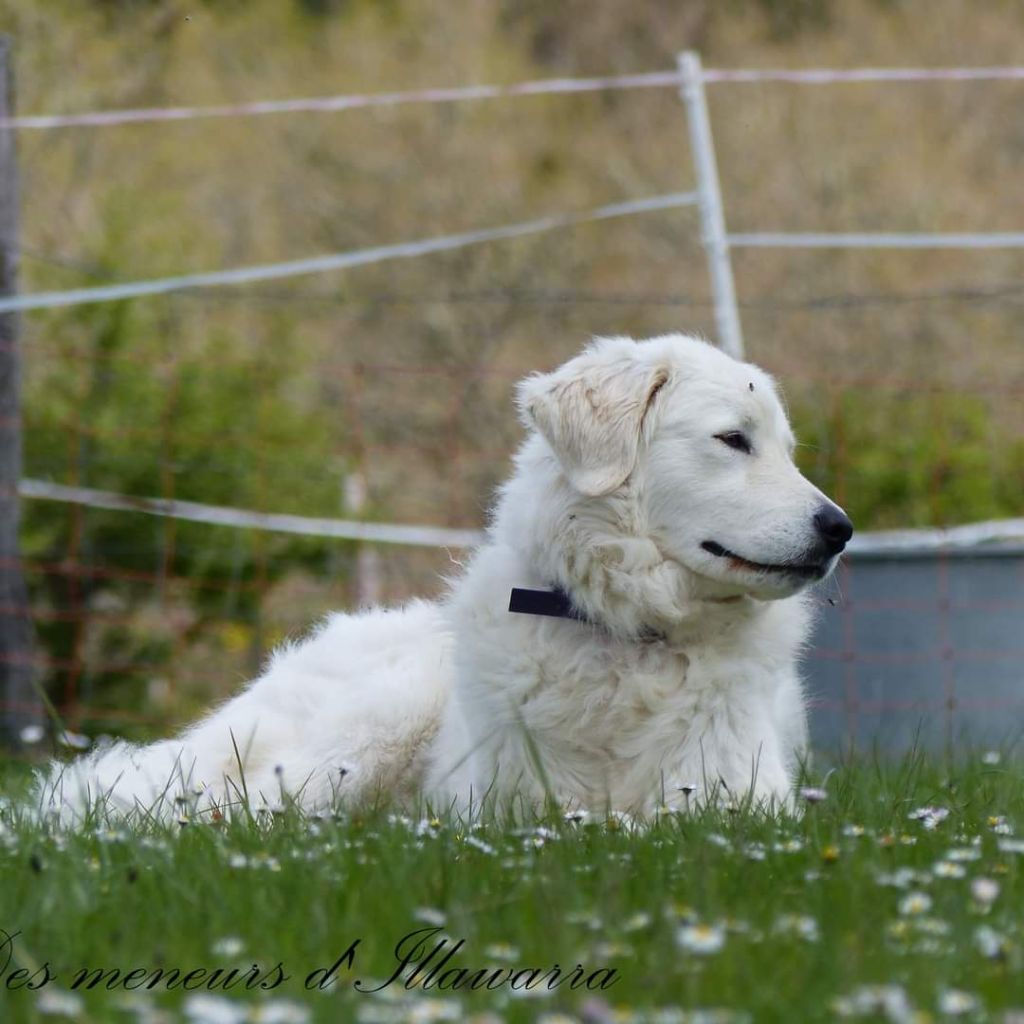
(600, 554)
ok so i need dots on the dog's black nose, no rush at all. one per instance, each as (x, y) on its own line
(834, 528)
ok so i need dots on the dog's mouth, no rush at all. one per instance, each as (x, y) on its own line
(803, 570)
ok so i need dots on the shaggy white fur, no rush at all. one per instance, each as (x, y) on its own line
(657, 489)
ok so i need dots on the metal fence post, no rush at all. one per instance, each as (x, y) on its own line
(713, 233)
(20, 705)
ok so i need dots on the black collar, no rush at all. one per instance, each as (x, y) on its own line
(557, 604)
(554, 603)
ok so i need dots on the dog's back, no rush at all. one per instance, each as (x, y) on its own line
(344, 714)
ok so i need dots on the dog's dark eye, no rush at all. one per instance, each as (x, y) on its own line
(735, 439)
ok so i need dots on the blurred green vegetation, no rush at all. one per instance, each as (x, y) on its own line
(913, 459)
(903, 370)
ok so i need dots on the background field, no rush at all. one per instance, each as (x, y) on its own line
(903, 371)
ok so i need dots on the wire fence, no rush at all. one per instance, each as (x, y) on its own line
(167, 546)
(544, 87)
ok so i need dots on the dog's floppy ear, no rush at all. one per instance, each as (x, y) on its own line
(591, 411)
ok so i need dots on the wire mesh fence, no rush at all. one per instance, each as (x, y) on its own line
(384, 396)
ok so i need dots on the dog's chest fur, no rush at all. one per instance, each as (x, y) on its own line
(620, 722)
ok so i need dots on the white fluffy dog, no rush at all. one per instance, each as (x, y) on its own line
(653, 543)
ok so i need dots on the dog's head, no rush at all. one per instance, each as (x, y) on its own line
(697, 447)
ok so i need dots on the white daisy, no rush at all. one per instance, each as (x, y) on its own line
(229, 946)
(955, 1002)
(203, 1009)
(800, 926)
(813, 794)
(914, 904)
(429, 915)
(702, 939)
(963, 854)
(31, 734)
(989, 942)
(930, 817)
(55, 1002)
(281, 1011)
(984, 890)
(74, 740)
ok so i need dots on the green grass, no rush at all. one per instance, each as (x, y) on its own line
(804, 912)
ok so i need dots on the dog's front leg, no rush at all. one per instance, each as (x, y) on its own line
(726, 770)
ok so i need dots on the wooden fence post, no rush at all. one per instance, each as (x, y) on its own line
(21, 710)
